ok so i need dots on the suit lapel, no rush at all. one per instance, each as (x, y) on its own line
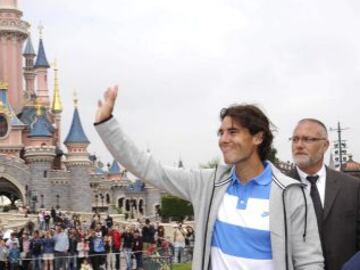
(332, 188)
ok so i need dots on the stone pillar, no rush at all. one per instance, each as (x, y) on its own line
(80, 191)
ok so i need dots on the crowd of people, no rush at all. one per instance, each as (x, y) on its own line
(67, 242)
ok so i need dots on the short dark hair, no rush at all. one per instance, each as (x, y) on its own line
(251, 117)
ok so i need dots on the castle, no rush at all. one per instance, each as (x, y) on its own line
(34, 168)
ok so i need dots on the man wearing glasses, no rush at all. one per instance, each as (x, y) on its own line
(336, 196)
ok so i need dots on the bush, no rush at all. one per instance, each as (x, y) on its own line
(175, 208)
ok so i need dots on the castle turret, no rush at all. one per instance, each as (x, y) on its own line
(13, 33)
(41, 67)
(40, 155)
(78, 163)
(114, 172)
(29, 72)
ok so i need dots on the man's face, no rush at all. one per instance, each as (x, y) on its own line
(236, 143)
(309, 145)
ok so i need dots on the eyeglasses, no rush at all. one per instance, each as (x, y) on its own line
(306, 140)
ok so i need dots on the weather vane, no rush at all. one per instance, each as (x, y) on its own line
(40, 28)
(54, 65)
(75, 98)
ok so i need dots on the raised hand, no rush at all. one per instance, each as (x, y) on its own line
(105, 107)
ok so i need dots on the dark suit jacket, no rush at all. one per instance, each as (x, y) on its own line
(340, 233)
(353, 263)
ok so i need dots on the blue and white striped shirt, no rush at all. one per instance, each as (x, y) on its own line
(241, 237)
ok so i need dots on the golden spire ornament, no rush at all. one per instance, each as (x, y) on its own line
(56, 104)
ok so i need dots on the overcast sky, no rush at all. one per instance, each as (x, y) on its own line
(179, 62)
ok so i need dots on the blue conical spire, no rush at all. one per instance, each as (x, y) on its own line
(29, 49)
(40, 128)
(41, 60)
(76, 133)
(115, 168)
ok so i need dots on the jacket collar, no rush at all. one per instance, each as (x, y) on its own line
(331, 190)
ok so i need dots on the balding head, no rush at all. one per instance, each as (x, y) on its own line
(309, 144)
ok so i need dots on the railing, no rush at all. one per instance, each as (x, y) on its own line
(102, 260)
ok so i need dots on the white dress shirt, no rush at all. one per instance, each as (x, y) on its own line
(320, 184)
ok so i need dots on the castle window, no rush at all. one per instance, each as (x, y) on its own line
(45, 174)
(4, 127)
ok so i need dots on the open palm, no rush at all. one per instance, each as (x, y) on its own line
(105, 107)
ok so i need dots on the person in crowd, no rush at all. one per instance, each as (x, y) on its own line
(97, 249)
(116, 241)
(82, 249)
(48, 251)
(164, 247)
(36, 250)
(3, 255)
(128, 239)
(25, 250)
(137, 249)
(335, 195)
(160, 233)
(30, 226)
(14, 256)
(47, 219)
(109, 250)
(179, 243)
(61, 247)
(85, 265)
(95, 220)
(109, 221)
(12, 240)
(148, 233)
(103, 228)
(189, 242)
(41, 220)
(53, 215)
(72, 252)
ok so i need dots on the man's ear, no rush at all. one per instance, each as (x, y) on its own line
(258, 137)
(326, 145)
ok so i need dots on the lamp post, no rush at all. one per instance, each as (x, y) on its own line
(27, 196)
(34, 201)
(42, 200)
(57, 201)
(131, 202)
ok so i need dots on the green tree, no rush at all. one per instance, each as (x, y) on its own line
(273, 156)
(175, 208)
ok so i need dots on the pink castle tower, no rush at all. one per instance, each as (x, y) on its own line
(29, 72)
(13, 32)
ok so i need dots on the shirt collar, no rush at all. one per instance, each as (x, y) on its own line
(321, 173)
(263, 179)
